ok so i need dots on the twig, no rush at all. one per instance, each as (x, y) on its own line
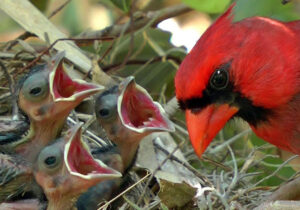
(250, 159)
(88, 74)
(74, 116)
(213, 162)
(279, 205)
(294, 176)
(95, 138)
(89, 122)
(235, 174)
(29, 65)
(244, 191)
(58, 9)
(23, 36)
(223, 200)
(229, 141)
(131, 30)
(27, 34)
(140, 22)
(4, 97)
(106, 52)
(122, 193)
(181, 129)
(115, 66)
(186, 165)
(155, 171)
(15, 108)
(131, 204)
(100, 77)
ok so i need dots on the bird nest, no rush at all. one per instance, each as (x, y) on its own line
(238, 171)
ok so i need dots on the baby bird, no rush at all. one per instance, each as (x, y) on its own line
(128, 114)
(16, 177)
(103, 191)
(66, 168)
(46, 96)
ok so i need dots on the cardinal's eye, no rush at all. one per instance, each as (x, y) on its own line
(36, 87)
(220, 79)
(106, 107)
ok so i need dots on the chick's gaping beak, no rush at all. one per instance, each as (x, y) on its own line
(63, 88)
(138, 111)
(80, 162)
(204, 125)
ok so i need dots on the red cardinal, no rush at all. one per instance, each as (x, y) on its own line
(248, 69)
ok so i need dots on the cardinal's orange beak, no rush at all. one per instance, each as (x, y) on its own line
(204, 125)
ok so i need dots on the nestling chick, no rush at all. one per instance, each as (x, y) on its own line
(128, 114)
(66, 168)
(46, 96)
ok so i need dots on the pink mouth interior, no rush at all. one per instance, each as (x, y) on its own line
(64, 86)
(139, 111)
(81, 161)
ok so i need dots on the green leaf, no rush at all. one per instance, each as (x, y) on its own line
(267, 8)
(148, 44)
(209, 6)
(122, 4)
